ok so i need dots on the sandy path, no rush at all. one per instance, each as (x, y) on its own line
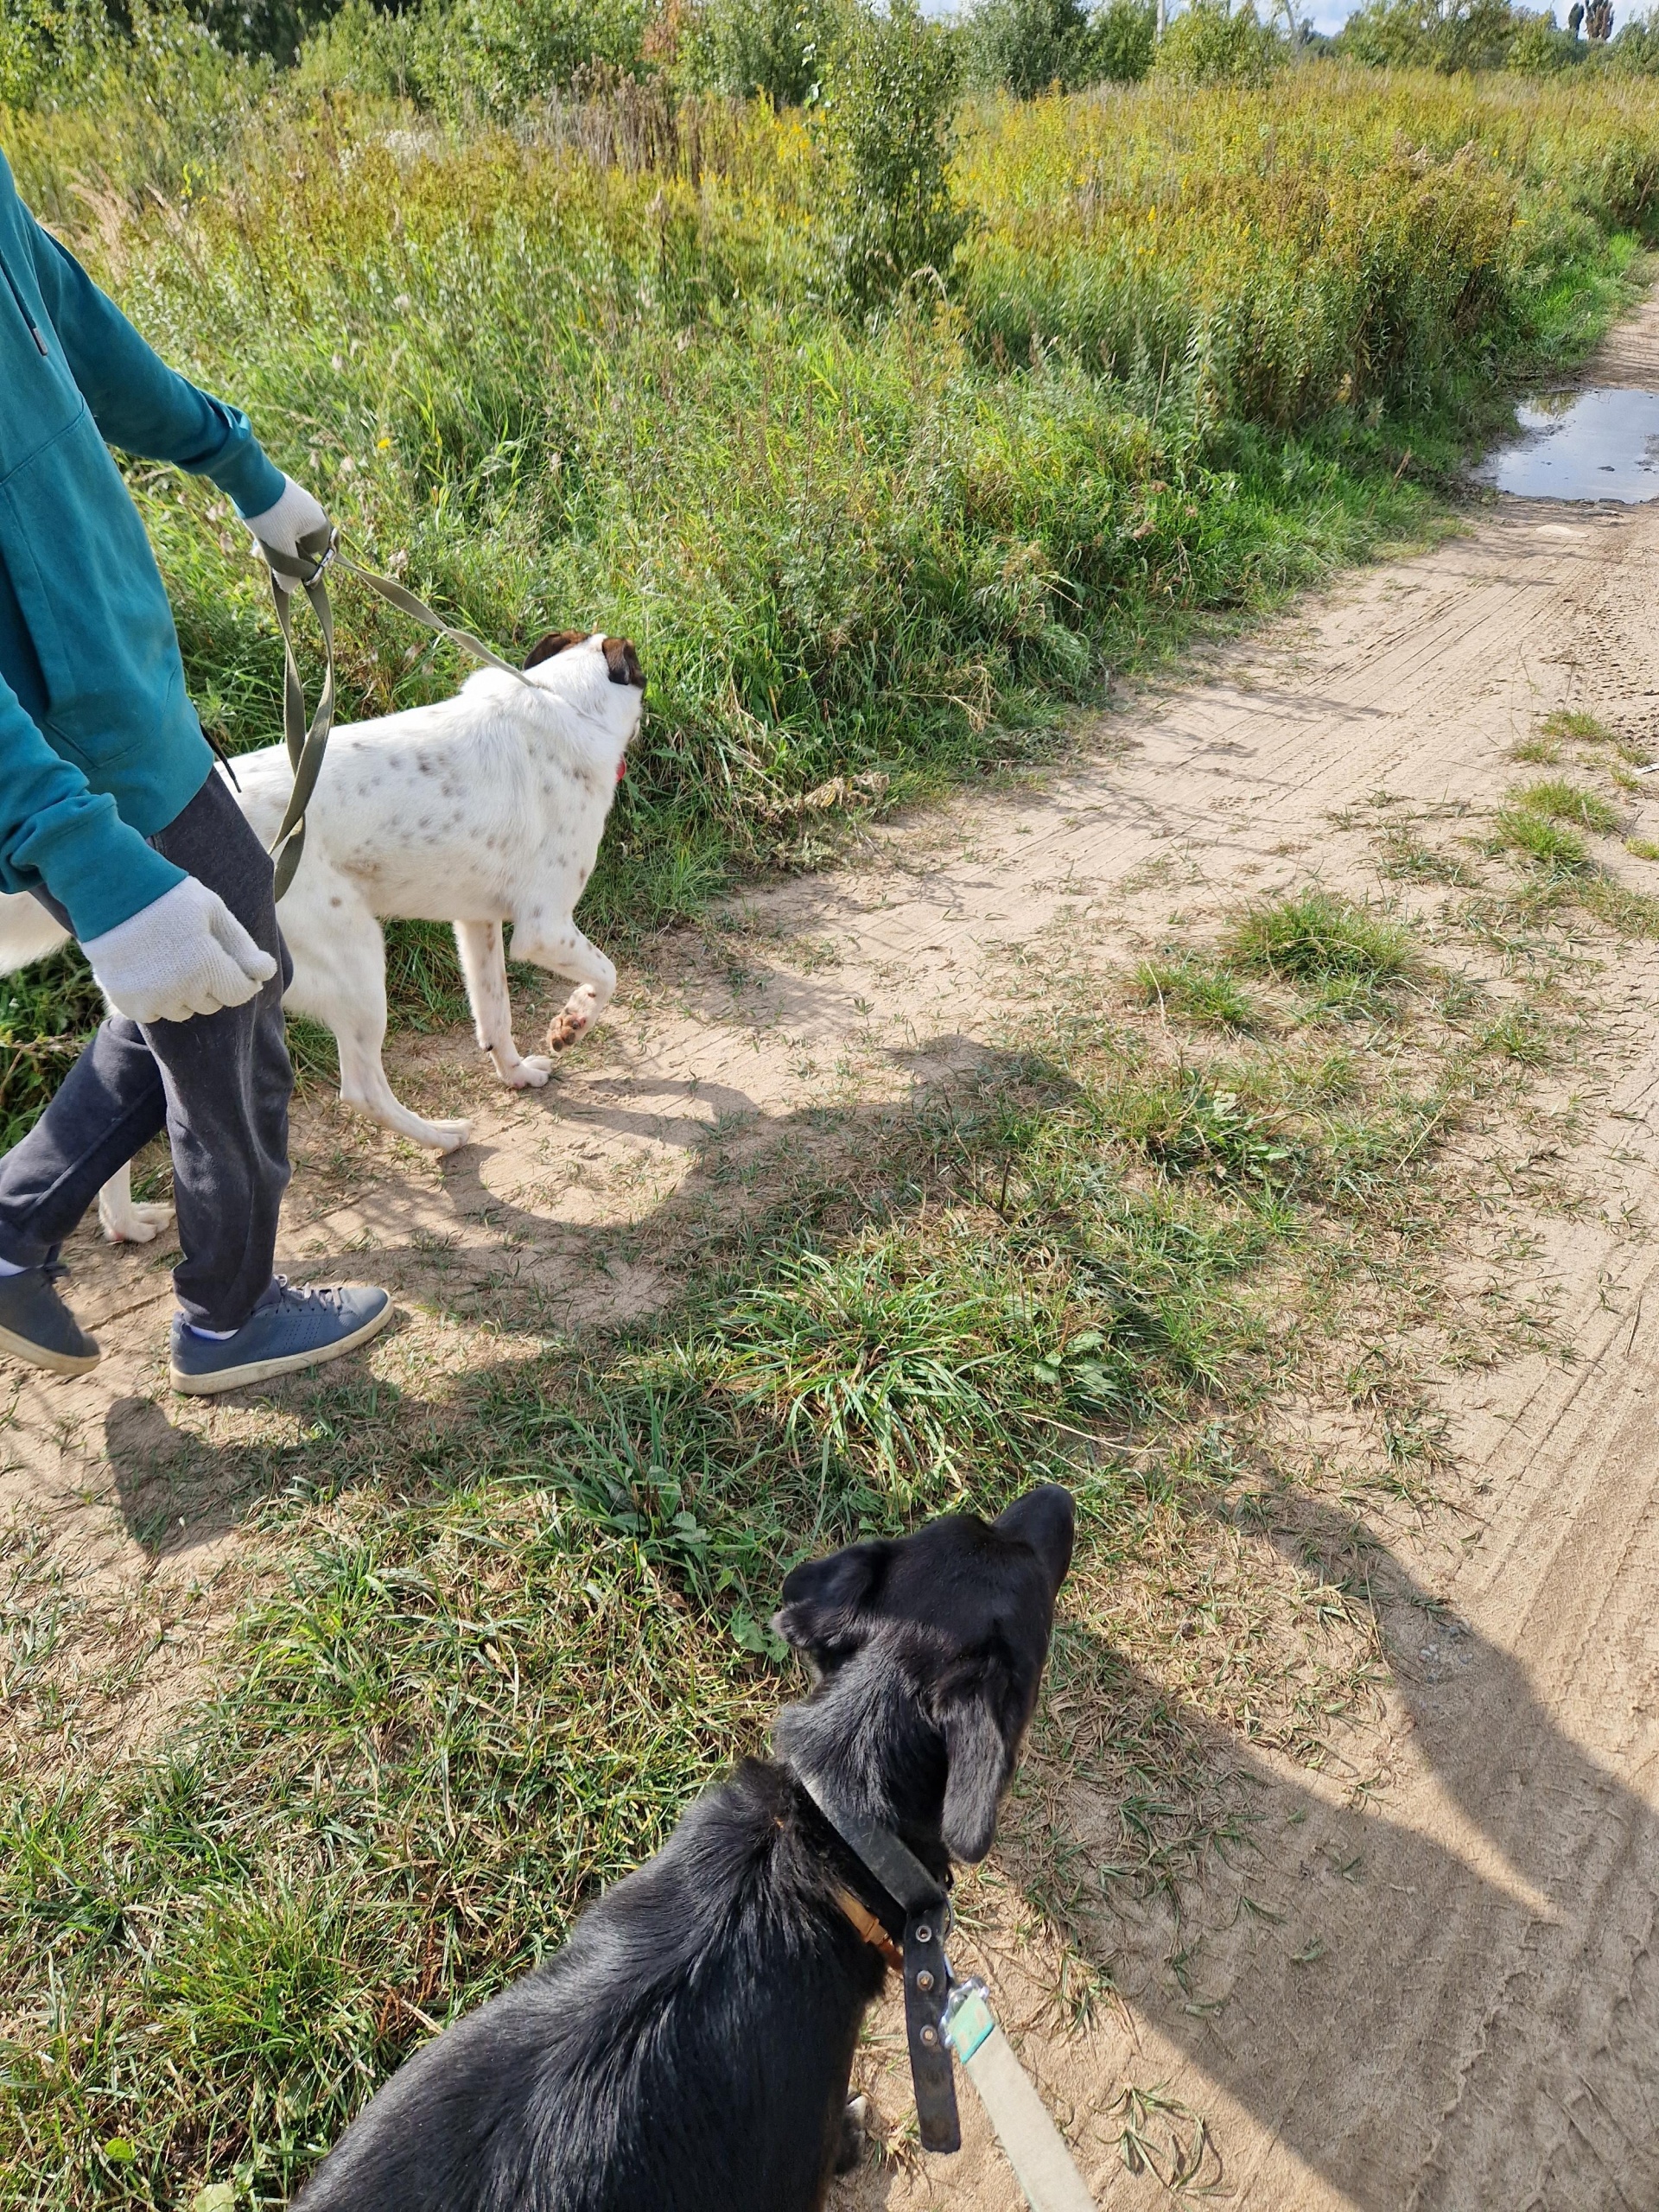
(1446, 1995)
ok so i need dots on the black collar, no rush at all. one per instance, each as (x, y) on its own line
(895, 1868)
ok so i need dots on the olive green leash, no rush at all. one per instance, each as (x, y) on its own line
(308, 742)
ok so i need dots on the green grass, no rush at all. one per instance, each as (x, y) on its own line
(495, 1627)
(1557, 800)
(47, 1012)
(1319, 938)
(502, 1631)
(1575, 726)
(1199, 992)
(560, 385)
(1552, 845)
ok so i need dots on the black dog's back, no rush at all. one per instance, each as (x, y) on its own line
(647, 2063)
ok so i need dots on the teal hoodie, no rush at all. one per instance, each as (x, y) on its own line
(100, 746)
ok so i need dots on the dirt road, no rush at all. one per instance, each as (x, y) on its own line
(1439, 1991)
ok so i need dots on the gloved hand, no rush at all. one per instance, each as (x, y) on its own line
(296, 517)
(185, 953)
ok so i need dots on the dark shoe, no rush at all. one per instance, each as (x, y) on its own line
(299, 1328)
(36, 1325)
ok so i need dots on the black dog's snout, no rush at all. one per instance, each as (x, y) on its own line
(1045, 1519)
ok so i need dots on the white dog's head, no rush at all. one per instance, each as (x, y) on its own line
(599, 676)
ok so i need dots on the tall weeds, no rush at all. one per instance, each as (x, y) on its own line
(590, 369)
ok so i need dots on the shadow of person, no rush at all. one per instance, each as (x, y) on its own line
(555, 1278)
(1450, 2005)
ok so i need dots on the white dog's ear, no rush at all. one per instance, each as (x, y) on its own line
(556, 641)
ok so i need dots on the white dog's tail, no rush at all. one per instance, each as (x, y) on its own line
(27, 931)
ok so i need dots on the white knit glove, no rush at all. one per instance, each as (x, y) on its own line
(296, 516)
(185, 953)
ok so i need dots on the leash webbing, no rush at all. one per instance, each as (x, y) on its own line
(308, 743)
(1033, 2147)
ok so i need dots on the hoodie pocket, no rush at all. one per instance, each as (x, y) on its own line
(93, 600)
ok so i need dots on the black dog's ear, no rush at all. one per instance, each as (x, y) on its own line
(821, 1599)
(556, 641)
(980, 1762)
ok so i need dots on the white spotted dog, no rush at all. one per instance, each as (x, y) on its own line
(479, 810)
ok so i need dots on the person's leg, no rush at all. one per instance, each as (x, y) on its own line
(219, 1083)
(226, 1078)
(107, 1107)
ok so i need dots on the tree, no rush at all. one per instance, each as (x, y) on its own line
(888, 115)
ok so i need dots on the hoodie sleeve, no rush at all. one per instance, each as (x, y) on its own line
(137, 401)
(57, 831)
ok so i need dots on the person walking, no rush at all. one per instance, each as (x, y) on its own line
(112, 815)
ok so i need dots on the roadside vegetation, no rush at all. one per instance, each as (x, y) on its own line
(892, 426)
(889, 428)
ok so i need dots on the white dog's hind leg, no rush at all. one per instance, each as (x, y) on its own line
(124, 1220)
(363, 1085)
(568, 952)
(483, 962)
(343, 983)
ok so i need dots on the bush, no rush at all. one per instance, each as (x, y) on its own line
(1636, 48)
(1211, 44)
(55, 44)
(509, 52)
(1026, 46)
(1123, 36)
(778, 49)
(1539, 49)
(272, 29)
(889, 130)
(1444, 35)
(464, 57)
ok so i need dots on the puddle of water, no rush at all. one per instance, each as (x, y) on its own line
(1582, 445)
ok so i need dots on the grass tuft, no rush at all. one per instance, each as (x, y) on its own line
(1573, 724)
(1558, 800)
(1199, 992)
(1551, 844)
(1319, 937)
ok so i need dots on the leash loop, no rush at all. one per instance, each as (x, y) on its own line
(946, 2017)
(307, 743)
(926, 1970)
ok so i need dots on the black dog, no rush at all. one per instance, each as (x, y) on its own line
(689, 2048)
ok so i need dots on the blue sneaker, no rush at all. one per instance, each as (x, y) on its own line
(36, 1325)
(299, 1328)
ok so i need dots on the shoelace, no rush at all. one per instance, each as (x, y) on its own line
(305, 1293)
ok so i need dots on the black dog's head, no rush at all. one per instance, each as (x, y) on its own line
(928, 1651)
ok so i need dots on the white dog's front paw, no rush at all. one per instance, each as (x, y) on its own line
(531, 1074)
(575, 1021)
(134, 1223)
(446, 1136)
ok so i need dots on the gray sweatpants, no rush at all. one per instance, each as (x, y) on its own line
(219, 1085)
